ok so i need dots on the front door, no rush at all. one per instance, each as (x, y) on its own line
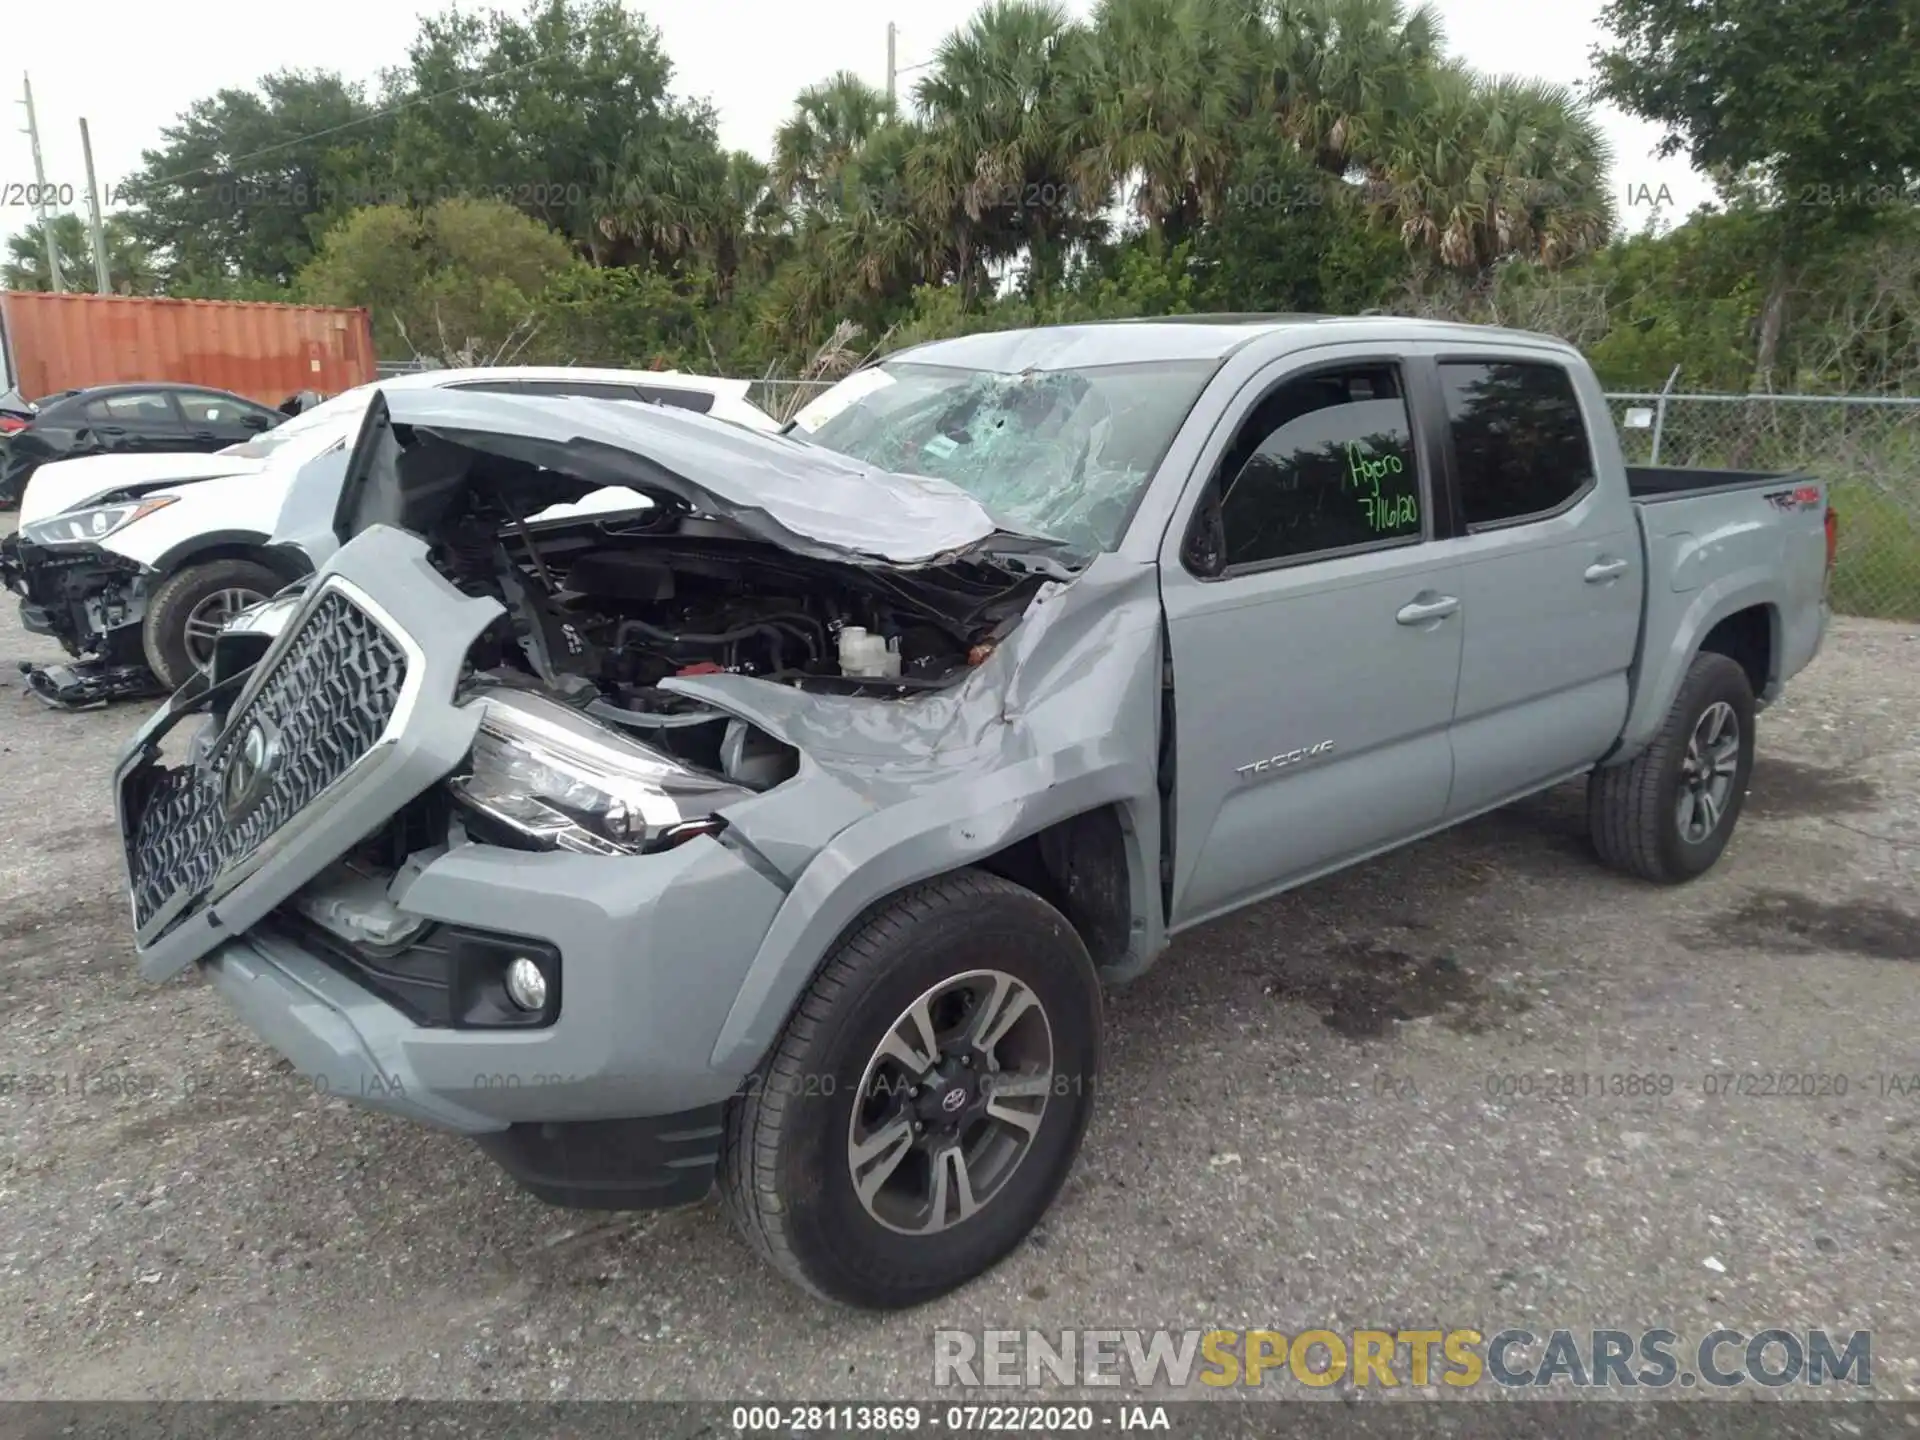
(215, 421)
(1316, 639)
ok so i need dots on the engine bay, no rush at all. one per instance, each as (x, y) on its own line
(601, 610)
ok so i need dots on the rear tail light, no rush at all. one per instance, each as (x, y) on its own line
(1833, 534)
(8, 425)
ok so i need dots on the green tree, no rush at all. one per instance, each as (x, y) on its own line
(563, 111)
(458, 281)
(1808, 103)
(1338, 75)
(1482, 170)
(1159, 92)
(814, 146)
(130, 269)
(244, 181)
(996, 161)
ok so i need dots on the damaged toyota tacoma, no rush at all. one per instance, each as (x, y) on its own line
(781, 834)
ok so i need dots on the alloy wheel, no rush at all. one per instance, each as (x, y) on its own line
(1708, 772)
(950, 1102)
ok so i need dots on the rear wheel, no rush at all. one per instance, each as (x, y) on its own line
(189, 609)
(1668, 814)
(927, 1099)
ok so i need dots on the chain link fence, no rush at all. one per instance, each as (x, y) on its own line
(1867, 449)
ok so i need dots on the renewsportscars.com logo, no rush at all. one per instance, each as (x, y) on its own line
(1386, 1359)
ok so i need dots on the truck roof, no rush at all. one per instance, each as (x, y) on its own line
(1187, 337)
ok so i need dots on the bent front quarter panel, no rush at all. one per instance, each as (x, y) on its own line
(1063, 720)
(426, 738)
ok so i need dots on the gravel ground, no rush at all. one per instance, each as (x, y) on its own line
(1297, 1128)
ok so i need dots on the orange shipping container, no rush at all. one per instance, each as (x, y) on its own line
(264, 352)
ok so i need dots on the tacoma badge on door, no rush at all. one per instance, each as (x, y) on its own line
(1291, 757)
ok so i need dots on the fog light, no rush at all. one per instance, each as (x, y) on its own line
(526, 984)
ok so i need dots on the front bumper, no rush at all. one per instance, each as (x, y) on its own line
(652, 950)
(90, 600)
(613, 1105)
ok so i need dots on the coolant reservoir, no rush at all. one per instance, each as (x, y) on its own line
(864, 653)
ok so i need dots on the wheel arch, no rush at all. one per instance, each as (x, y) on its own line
(250, 545)
(1087, 844)
(1738, 617)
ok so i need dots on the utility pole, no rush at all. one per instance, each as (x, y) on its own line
(102, 284)
(892, 31)
(40, 180)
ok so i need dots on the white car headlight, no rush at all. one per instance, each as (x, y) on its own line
(85, 527)
(564, 782)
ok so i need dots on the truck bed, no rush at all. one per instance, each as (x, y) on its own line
(1654, 483)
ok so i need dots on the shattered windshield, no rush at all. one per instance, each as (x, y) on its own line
(1059, 453)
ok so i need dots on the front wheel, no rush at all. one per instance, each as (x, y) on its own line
(1667, 814)
(189, 609)
(927, 1099)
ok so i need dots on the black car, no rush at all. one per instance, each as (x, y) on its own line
(128, 419)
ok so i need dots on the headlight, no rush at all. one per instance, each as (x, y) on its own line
(563, 781)
(84, 527)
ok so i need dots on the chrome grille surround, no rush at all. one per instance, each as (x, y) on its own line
(331, 690)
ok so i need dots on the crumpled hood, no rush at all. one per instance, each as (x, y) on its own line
(62, 485)
(800, 497)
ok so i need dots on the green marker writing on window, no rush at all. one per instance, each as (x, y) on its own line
(1366, 472)
(1392, 512)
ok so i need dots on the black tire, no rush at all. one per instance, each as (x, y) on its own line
(1632, 809)
(785, 1176)
(163, 634)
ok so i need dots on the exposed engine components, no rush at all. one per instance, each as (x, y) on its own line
(868, 655)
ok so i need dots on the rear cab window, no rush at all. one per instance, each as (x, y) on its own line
(1521, 450)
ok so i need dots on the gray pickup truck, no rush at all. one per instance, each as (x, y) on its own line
(779, 831)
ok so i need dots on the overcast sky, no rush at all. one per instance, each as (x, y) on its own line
(749, 57)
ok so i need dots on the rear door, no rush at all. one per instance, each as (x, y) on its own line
(132, 421)
(1315, 631)
(1550, 573)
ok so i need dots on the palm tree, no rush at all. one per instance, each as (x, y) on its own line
(1340, 72)
(829, 124)
(130, 269)
(667, 194)
(750, 225)
(995, 161)
(1160, 89)
(1481, 170)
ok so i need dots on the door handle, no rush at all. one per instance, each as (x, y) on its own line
(1602, 571)
(1421, 611)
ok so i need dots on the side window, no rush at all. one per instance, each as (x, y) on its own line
(203, 407)
(588, 389)
(136, 407)
(1324, 463)
(698, 401)
(1519, 442)
(494, 387)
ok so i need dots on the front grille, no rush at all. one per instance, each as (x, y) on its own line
(330, 696)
